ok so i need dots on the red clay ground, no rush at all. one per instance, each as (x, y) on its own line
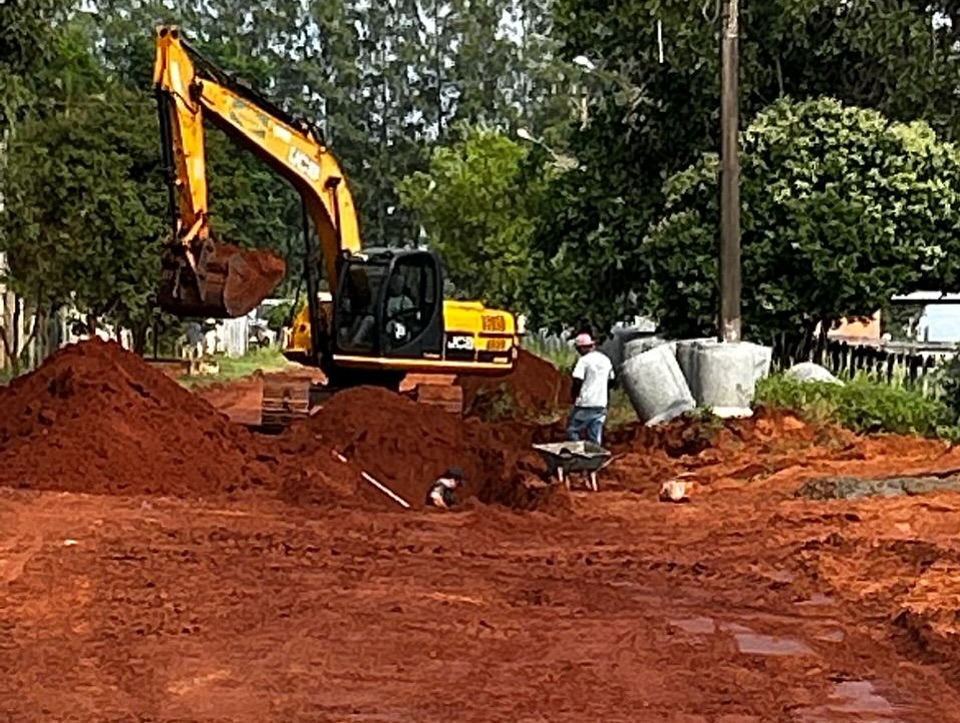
(308, 598)
(627, 611)
(533, 388)
(240, 400)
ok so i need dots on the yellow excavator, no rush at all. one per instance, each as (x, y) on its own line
(385, 316)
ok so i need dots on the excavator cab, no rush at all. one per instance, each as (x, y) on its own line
(389, 304)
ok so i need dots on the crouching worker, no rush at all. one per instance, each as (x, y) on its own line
(443, 492)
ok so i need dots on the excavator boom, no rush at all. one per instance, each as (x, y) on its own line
(203, 276)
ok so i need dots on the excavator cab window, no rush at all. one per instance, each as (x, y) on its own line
(413, 308)
(391, 307)
(409, 301)
(357, 306)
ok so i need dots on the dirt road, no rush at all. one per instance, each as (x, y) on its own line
(627, 610)
(159, 563)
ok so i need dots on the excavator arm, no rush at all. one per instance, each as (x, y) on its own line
(207, 277)
(385, 317)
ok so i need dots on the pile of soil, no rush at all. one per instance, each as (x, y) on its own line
(773, 448)
(691, 434)
(714, 448)
(96, 418)
(533, 389)
(247, 277)
(406, 446)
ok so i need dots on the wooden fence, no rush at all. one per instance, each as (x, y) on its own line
(913, 364)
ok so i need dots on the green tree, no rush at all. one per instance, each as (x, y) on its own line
(84, 212)
(383, 81)
(650, 119)
(842, 209)
(542, 85)
(28, 40)
(477, 203)
(250, 205)
(36, 76)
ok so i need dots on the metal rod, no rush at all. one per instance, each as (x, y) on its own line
(383, 488)
(730, 281)
(390, 493)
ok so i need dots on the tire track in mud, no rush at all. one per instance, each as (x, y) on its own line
(16, 553)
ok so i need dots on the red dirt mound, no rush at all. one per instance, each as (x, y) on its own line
(692, 434)
(534, 387)
(96, 418)
(406, 445)
(736, 450)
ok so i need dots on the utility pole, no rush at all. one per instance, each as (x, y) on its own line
(729, 317)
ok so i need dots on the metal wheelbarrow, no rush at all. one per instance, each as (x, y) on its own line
(565, 457)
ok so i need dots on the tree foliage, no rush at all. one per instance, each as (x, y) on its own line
(650, 119)
(477, 203)
(85, 211)
(391, 84)
(385, 82)
(842, 209)
(27, 41)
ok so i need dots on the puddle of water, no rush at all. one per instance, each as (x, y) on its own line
(756, 644)
(832, 636)
(753, 643)
(750, 642)
(817, 600)
(854, 700)
(781, 576)
(860, 696)
(696, 626)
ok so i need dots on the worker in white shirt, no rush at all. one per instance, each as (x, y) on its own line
(591, 384)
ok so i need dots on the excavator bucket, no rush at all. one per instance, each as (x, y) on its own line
(228, 282)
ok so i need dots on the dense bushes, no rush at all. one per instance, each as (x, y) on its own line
(863, 405)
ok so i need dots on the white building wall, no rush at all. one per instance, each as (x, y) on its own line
(229, 337)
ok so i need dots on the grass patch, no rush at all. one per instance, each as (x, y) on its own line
(862, 405)
(267, 360)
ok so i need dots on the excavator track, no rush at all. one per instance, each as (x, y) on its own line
(287, 399)
(439, 391)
